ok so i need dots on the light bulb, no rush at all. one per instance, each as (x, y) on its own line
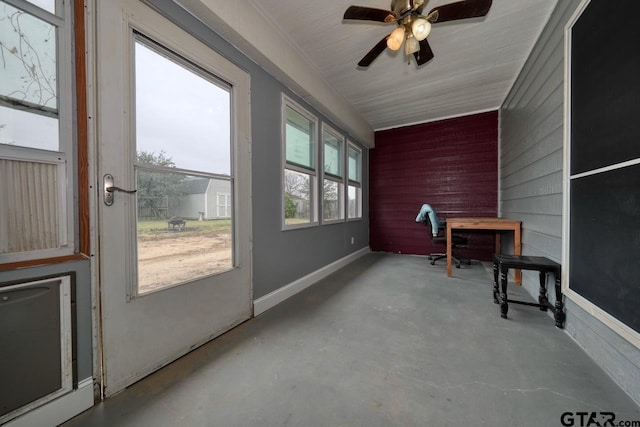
(396, 38)
(421, 29)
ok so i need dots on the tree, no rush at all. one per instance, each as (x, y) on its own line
(156, 187)
(297, 188)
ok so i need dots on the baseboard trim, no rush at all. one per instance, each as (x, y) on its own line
(59, 410)
(274, 298)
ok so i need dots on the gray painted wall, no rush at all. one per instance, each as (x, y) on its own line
(531, 186)
(279, 257)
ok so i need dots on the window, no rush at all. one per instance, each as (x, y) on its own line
(300, 166)
(36, 167)
(183, 163)
(354, 166)
(333, 181)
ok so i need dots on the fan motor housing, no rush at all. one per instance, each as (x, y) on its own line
(400, 7)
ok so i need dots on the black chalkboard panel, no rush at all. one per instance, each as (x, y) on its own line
(605, 85)
(604, 264)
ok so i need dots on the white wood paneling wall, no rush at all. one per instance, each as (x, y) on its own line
(531, 143)
(531, 188)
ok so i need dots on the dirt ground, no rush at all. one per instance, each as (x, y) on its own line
(166, 262)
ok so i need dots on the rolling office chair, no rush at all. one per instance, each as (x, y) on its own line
(428, 216)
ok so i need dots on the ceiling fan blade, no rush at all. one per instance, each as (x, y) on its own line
(369, 14)
(425, 54)
(373, 53)
(460, 10)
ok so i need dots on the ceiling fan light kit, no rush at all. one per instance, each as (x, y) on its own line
(396, 38)
(412, 45)
(413, 27)
(421, 29)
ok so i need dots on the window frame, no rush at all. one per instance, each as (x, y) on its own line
(66, 154)
(340, 180)
(353, 183)
(313, 174)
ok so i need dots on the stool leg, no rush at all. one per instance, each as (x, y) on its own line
(559, 314)
(504, 305)
(496, 292)
(542, 298)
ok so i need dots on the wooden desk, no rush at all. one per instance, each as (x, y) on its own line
(497, 224)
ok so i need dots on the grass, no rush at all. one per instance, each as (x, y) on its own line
(158, 229)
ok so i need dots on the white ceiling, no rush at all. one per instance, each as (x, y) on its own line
(476, 60)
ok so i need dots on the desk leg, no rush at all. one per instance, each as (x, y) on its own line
(449, 251)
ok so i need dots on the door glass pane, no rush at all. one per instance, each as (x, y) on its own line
(183, 120)
(181, 113)
(29, 84)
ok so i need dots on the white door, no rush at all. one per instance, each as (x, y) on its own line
(173, 122)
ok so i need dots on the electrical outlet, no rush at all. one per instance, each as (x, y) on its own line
(353, 240)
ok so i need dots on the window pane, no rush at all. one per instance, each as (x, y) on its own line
(26, 129)
(28, 87)
(332, 154)
(355, 202)
(332, 200)
(48, 5)
(182, 114)
(181, 237)
(299, 139)
(183, 120)
(355, 159)
(297, 198)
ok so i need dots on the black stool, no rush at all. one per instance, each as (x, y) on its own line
(544, 265)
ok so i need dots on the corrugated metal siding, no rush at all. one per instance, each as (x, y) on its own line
(531, 142)
(29, 208)
(450, 164)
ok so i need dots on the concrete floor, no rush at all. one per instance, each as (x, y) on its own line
(385, 341)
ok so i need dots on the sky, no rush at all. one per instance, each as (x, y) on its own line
(182, 114)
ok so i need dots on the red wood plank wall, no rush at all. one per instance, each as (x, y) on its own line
(451, 164)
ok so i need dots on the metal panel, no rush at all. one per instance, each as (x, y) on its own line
(29, 215)
(35, 332)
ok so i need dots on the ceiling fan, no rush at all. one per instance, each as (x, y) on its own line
(413, 27)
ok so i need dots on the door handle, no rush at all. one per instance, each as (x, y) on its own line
(109, 189)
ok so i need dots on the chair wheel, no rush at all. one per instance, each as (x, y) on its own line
(433, 262)
(457, 265)
(429, 257)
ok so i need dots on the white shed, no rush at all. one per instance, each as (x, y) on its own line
(204, 198)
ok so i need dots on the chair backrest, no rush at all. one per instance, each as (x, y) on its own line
(428, 213)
